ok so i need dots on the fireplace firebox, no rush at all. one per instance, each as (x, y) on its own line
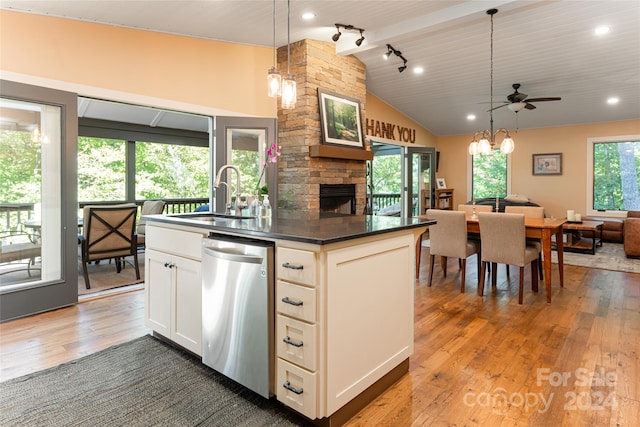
(338, 198)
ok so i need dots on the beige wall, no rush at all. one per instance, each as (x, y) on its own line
(380, 110)
(556, 193)
(130, 65)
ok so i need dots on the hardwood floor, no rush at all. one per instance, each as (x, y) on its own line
(477, 360)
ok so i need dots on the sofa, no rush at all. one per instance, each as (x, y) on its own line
(632, 234)
(622, 230)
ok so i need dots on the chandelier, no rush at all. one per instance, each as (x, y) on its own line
(487, 141)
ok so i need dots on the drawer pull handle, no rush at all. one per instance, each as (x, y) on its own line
(286, 300)
(293, 266)
(292, 342)
(289, 387)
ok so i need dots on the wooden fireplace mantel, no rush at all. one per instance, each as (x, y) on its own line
(334, 152)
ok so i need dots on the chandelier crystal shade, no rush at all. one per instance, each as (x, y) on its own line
(487, 141)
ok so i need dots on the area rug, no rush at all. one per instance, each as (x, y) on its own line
(103, 276)
(609, 257)
(144, 382)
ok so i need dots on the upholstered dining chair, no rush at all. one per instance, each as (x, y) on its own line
(149, 207)
(109, 232)
(448, 238)
(503, 237)
(529, 212)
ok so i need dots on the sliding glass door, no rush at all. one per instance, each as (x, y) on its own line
(37, 200)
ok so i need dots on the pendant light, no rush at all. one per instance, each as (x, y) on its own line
(487, 141)
(274, 78)
(288, 83)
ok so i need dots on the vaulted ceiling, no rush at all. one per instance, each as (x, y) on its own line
(549, 47)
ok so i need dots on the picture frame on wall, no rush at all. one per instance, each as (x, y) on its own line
(440, 183)
(340, 120)
(547, 164)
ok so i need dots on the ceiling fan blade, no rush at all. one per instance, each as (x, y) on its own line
(529, 106)
(499, 106)
(556, 98)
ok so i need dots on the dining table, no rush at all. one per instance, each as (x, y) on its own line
(537, 228)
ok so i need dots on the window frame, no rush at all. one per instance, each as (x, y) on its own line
(589, 181)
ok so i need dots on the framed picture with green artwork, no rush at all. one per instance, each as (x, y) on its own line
(340, 120)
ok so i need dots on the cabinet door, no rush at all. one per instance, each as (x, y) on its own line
(158, 281)
(187, 326)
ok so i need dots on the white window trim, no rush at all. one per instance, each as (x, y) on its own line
(589, 190)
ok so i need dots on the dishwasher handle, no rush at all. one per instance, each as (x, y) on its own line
(233, 256)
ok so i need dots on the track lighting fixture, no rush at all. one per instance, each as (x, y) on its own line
(391, 50)
(337, 35)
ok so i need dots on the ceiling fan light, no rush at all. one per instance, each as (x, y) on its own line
(507, 146)
(516, 106)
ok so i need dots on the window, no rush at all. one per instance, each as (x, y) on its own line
(613, 174)
(489, 175)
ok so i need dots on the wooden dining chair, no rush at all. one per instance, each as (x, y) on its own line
(108, 232)
(448, 238)
(503, 237)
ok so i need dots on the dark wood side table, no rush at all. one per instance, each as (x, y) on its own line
(584, 244)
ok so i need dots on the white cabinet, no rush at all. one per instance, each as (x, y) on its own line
(344, 319)
(173, 286)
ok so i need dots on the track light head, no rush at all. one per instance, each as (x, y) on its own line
(337, 35)
(360, 40)
(402, 68)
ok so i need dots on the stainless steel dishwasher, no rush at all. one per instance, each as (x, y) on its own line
(238, 310)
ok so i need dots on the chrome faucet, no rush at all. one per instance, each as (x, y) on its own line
(218, 182)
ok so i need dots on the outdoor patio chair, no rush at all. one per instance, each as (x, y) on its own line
(109, 232)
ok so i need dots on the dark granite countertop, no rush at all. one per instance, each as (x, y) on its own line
(302, 227)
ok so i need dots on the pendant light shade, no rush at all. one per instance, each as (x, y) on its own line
(288, 83)
(274, 82)
(274, 78)
(288, 92)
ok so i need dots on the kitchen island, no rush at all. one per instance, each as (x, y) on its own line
(342, 302)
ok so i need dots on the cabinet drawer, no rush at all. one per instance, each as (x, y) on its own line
(296, 301)
(178, 242)
(297, 266)
(296, 342)
(296, 388)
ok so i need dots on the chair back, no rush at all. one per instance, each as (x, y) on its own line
(528, 211)
(503, 238)
(448, 237)
(468, 209)
(149, 207)
(109, 231)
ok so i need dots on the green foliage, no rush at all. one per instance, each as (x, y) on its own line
(101, 169)
(490, 175)
(387, 176)
(20, 170)
(248, 162)
(616, 177)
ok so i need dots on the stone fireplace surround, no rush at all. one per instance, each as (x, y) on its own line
(315, 64)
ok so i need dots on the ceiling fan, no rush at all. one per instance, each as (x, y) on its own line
(517, 100)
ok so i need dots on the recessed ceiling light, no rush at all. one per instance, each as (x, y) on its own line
(471, 117)
(307, 16)
(418, 70)
(613, 100)
(602, 30)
